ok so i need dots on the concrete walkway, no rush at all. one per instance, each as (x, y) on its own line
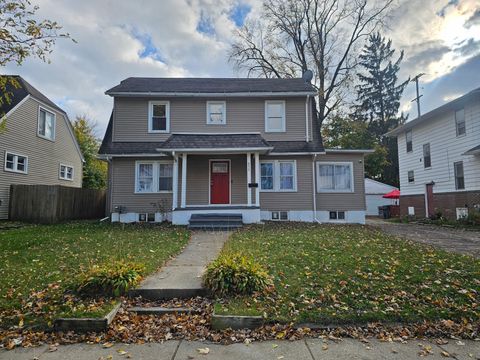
(311, 349)
(182, 276)
(450, 239)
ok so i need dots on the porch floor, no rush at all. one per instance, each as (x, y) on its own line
(217, 207)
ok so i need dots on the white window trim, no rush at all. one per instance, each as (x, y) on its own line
(224, 118)
(66, 167)
(352, 188)
(456, 123)
(40, 108)
(284, 118)
(276, 175)
(408, 178)
(15, 163)
(337, 220)
(150, 115)
(406, 141)
(156, 175)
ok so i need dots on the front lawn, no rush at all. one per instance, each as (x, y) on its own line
(346, 274)
(40, 264)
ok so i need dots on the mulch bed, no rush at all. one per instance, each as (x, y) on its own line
(129, 327)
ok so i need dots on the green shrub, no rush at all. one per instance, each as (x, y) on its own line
(114, 278)
(234, 274)
(473, 219)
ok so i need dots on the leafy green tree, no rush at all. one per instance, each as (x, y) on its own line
(94, 170)
(23, 36)
(378, 98)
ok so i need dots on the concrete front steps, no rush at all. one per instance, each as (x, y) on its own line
(215, 221)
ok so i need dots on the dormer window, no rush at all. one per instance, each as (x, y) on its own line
(274, 116)
(46, 124)
(159, 117)
(216, 113)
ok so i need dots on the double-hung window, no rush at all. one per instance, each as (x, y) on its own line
(216, 113)
(459, 177)
(153, 176)
(46, 124)
(408, 140)
(275, 116)
(278, 175)
(159, 116)
(411, 176)
(460, 122)
(16, 163)
(427, 159)
(334, 177)
(66, 172)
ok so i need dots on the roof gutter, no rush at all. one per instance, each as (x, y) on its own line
(209, 94)
(217, 150)
(351, 151)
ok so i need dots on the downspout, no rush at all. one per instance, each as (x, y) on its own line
(314, 187)
(307, 135)
(110, 186)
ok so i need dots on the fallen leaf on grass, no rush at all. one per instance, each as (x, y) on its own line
(203, 351)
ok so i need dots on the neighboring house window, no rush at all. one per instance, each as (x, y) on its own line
(337, 215)
(459, 178)
(66, 172)
(408, 139)
(46, 124)
(278, 175)
(275, 116)
(427, 160)
(334, 177)
(460, 122)
(159, 116)
(216, 113)
(153, 176)
(16, 163)
(411, 176)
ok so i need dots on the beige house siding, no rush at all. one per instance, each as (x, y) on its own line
(345, 201)
(302, 199)
(189, 115)
(44, 156)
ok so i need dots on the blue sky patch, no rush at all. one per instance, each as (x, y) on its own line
(205, 25)
(239, 13)
(149, 48)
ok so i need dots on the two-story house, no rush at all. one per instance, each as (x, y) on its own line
(38, 145)
(439, 160)
(245, 149)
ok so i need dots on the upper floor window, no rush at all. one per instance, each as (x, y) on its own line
(46, 124)
(411, 176)
(275, 116)
(16, 163)
(460, 122)
(408, 139)
(334, 177)
(66, 172)
(278, 175)
(427, 160)
(159, 116)
(216, 114)
(459, 177)
(153, 176)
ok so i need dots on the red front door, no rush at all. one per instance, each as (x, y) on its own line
(219, 182)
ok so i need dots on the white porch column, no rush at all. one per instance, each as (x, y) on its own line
(184, 181)
(257, 179)
(175, 182)
(249, 179)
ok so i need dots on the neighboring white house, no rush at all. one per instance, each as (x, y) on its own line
(439, 160)
(374, 191)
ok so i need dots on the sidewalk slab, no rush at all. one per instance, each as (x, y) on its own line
(468, 351)
(268, 350)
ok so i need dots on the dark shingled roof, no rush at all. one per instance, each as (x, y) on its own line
(221, 141)
(210, 141)
(210, 85)
(21, 92)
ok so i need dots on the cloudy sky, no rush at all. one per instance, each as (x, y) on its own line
(119, 39)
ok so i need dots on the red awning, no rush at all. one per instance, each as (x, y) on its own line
(394, 194)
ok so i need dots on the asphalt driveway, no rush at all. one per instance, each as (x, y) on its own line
(450, 239)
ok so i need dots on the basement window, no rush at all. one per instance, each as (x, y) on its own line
(337, 215)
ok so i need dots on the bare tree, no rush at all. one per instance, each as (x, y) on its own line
(324, 36)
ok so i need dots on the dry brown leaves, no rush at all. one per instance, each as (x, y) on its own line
(132, 328)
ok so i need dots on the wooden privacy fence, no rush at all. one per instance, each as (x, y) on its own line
(50, 204)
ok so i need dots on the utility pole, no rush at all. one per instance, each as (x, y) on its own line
(417, 99)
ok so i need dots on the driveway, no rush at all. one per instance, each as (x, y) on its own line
(450, 239)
